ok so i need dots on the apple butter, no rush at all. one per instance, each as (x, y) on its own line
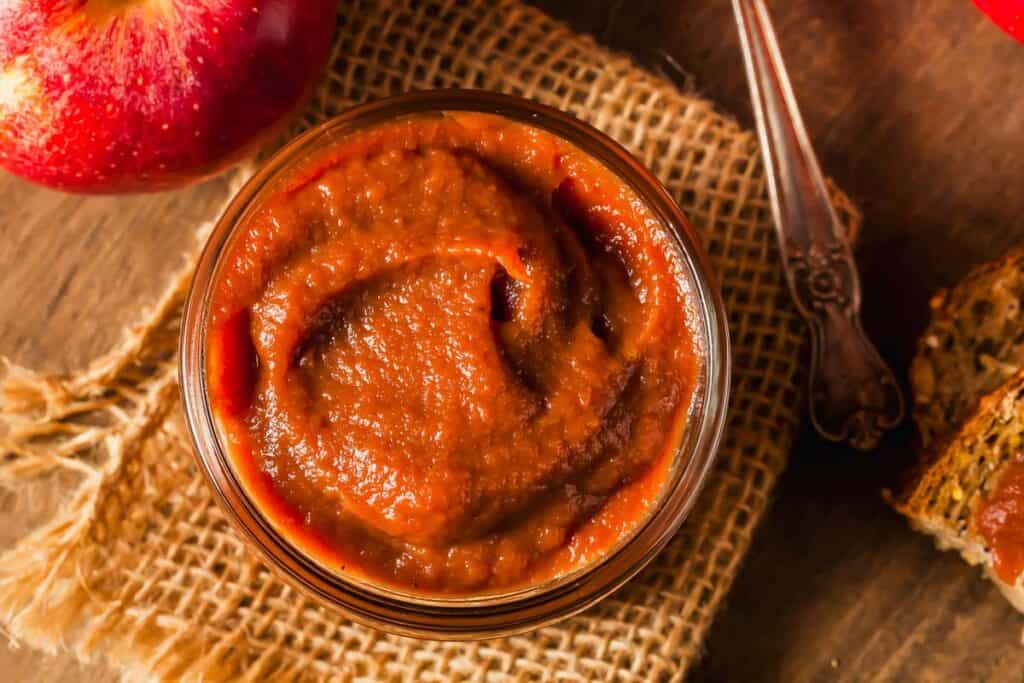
(1000, 521)
(452, 354)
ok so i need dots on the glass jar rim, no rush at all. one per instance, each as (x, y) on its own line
(522, 609)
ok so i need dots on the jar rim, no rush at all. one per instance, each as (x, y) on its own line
(520, 609)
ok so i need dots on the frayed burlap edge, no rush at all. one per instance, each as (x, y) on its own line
(89, 423)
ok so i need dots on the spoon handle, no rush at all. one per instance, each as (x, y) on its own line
(853, 394)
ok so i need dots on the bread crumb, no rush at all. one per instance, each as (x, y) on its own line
(834, 662)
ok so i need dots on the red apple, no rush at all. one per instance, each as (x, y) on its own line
(1007, 14)
(139, 95)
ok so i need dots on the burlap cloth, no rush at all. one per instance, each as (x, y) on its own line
(140, 565)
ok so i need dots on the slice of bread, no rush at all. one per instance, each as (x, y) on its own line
(945, 495)
(974, 343)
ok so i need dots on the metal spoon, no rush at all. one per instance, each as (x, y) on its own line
(853, 395)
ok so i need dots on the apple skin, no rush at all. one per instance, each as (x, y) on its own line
(1007, 14)
(139, 95)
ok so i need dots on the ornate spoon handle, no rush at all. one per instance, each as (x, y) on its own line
(853, 395)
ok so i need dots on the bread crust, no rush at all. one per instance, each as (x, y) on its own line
(973, 343)
(944, 496)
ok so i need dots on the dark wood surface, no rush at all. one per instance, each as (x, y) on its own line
(917, 109)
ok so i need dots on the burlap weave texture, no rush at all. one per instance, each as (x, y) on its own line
(142, 567)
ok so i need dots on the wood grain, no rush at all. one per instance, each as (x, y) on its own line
(74, 271)
(916, 108)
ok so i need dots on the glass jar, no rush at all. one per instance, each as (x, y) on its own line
(496, 613)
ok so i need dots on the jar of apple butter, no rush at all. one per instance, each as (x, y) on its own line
(454, 365)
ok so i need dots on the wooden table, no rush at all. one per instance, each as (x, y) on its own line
(917, 109)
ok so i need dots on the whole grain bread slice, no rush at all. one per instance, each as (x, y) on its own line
(974, 343)
(944, 497)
